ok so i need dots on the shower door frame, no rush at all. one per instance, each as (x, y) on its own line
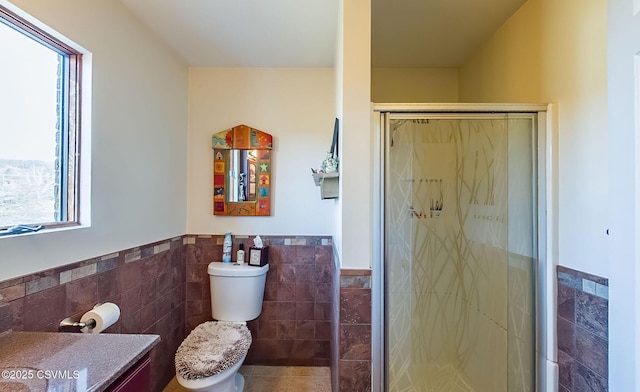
(546, 354)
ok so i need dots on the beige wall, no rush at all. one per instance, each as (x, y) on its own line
(508, 67)
(415, 85)
(138, 139)
(297, 107)
(353, 230)
(555, 52)
(624, 310)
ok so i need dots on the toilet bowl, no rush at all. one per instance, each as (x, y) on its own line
(224, 381)
(209, 358)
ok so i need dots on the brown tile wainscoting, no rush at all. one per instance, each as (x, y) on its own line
(583, 331)
(147, 283)
(351, 322)
(312, 315)
(294, 328)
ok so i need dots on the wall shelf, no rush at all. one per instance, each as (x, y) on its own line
(328, 183)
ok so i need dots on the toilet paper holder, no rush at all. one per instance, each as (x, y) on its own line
(68, 325)
(96, 320)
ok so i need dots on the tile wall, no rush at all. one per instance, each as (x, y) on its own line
(583, 331)
(147, 283)
(312, 315)
(351, 323)
(294, 327)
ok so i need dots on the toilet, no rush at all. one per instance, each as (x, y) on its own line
(209, 358)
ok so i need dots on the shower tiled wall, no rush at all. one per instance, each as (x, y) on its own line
(147, 283)
(583, 331)
(294, 327)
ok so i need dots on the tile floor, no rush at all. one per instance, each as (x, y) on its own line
(278, 379)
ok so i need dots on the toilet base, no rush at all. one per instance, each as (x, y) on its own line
(236, 386)
(239, 382)
(228, 381)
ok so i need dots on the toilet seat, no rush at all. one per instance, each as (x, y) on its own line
(211, 348)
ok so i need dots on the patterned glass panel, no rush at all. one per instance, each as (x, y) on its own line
(459, 267)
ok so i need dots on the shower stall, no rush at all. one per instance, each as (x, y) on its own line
(459, 251)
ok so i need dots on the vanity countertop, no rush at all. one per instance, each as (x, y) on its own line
(57, 361)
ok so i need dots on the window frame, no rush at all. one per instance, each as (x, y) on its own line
(70, 111)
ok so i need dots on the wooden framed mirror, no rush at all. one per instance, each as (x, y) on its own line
(242, 172)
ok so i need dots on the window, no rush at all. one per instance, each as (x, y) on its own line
(40, 75)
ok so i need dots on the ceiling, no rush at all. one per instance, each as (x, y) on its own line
(302, 33)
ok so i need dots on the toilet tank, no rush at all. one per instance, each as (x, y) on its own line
(236, 290)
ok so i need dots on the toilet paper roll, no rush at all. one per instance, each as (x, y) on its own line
(105, 315)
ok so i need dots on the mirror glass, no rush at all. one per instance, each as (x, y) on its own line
(241, 176)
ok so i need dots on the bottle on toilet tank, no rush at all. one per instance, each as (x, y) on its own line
(226, 248)
(240, 258)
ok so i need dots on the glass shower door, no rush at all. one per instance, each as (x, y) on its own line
(459, 242)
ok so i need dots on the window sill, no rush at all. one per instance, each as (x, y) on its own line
(47, 230)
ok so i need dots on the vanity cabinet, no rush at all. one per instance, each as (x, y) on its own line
(136, 379)
(85, 362)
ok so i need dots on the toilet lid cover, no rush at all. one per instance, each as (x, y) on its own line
(211, 348)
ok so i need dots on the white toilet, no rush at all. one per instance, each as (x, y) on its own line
(209, 358)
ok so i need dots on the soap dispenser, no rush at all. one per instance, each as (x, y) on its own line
(240, 258)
